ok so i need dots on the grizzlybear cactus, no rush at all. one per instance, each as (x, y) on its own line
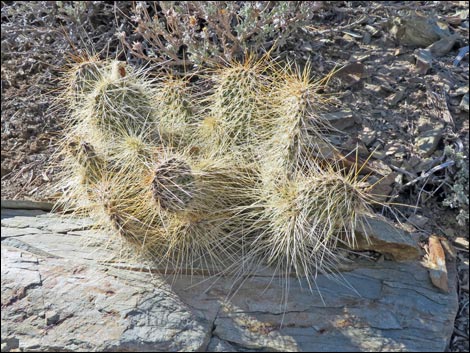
(241, 178)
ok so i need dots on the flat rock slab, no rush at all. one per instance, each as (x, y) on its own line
(386, 239)
(58, 295)
(27, 205)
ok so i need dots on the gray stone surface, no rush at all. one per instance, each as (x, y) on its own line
(464, 103)
(14, 213)
(427, 142)
(43, 221)
(340, 120)
(423, 60)
(14, 232)
(444, 45)
(387, 239)
(27, 205)
(58, 294)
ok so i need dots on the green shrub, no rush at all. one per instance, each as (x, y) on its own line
(457, 193)
(190, 33)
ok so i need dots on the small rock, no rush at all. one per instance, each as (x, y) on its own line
(386, 87)
(418, 220)
(423, 61)
(380, 167)
(444, 45)
(367, 38)
(416, 31)
(353, 146)
(383, 187)
(428, 141)
(464, 103)
(52, 318)
(341, 119)
(372, 30)
(368, 136)
(10, 343)
(307, 47)
(351, 73)
(375, 89)
(460, 91)
(457, 18)
(387, 239)
(436, 262)
(359, 58)
(393, 148)
(461, 242)
(395, 98)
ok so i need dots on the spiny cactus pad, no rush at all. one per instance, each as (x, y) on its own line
(230, 181)
(173, 184)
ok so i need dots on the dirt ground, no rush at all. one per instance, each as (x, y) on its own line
(388, 101)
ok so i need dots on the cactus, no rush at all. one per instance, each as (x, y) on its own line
(174, 107)
(173, 184)
(300, 220)
(242, 178)
(200, 199)
(107, 135)
(81, 77)
(308, 203)
(121, 203)
(121, 104)
(236, 109)
(297, 132)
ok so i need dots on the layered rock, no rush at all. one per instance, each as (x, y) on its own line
(62, 289)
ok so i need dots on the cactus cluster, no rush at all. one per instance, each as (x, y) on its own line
(240, 178)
